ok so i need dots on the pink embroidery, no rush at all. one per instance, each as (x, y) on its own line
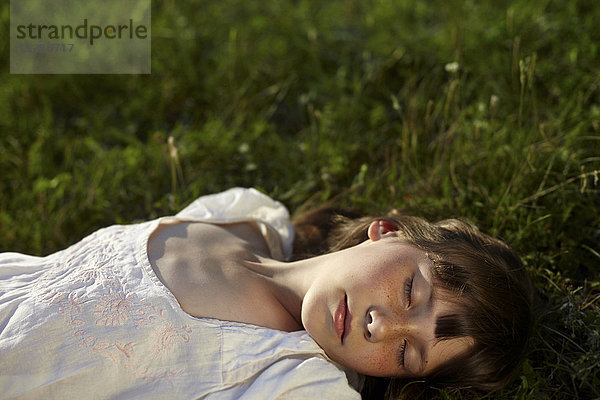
(113, 309)
(101, 346)
(168, 335)
(103, 311)
(126, 349)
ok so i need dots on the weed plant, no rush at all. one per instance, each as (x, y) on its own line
(484, 110)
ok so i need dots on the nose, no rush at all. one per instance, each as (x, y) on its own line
(380, 325)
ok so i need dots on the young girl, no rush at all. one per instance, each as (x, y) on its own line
(205, 304)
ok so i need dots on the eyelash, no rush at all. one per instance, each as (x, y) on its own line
(408, 291)
(402, 353)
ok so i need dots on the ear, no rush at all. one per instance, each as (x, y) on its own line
(379, 228)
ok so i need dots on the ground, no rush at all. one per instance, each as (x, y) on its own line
(484, 110)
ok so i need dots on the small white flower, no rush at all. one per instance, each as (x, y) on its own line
(244, 148)
(494, 101)
(452, 67)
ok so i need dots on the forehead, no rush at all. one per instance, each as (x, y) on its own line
(404, 252)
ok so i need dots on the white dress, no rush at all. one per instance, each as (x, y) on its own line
(94, 322)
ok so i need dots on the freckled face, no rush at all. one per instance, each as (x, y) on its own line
(379, 295)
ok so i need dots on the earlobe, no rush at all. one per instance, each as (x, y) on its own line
(379, 228)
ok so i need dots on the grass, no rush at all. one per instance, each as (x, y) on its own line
(485, 110)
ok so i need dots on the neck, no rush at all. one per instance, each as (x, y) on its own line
(288, 281)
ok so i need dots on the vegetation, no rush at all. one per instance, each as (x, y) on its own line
(484, 110)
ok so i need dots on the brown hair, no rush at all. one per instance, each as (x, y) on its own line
(493, 294)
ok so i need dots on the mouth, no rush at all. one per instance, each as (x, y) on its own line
(342, 319)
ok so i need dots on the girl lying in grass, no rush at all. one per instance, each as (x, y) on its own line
(215, 303)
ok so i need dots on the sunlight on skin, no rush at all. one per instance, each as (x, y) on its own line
(372, 276)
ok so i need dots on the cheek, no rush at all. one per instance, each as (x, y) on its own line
(380, 363)
(385, 282)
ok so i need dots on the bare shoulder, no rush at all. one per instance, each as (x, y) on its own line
(201, 236)
(203, 265)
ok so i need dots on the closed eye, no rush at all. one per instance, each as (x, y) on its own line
(402, 353)
(408, 291)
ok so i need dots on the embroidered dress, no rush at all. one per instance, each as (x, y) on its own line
(94, 321)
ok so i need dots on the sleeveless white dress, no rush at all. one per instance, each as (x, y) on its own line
(93, 321)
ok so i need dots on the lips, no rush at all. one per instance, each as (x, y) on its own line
(342, 319)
